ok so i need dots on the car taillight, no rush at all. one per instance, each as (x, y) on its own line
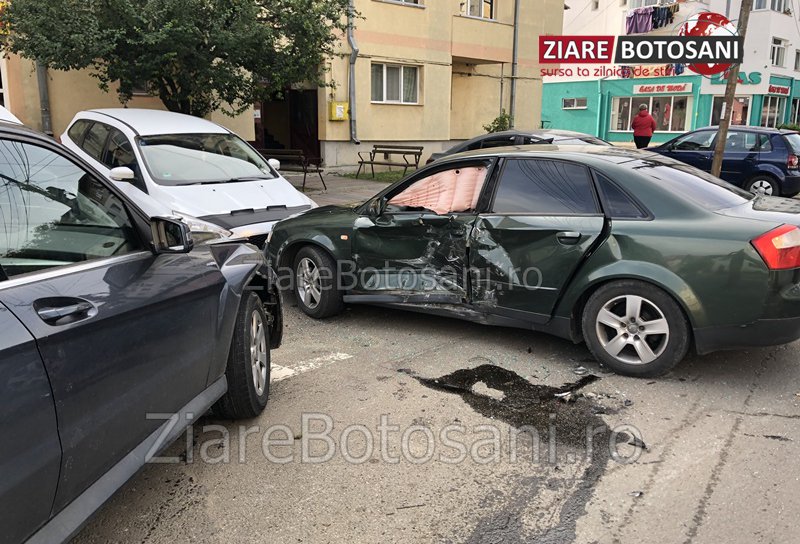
(793, 161)
(780, 247)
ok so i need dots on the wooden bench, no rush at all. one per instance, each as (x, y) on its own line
(295, 160)
(382, 155)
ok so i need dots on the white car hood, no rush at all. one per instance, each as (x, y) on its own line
(224, 198)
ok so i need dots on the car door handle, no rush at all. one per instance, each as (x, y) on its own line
(568, 237)
(53, 313)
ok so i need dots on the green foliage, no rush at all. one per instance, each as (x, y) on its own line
(790, 126)
(195, 55)
(501, 122)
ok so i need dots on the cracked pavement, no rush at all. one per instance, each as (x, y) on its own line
(721, 463)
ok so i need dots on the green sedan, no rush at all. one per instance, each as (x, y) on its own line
(640, 256)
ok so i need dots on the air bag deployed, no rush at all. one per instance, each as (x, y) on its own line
(451, 191)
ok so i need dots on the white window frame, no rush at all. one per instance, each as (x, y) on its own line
(634, 111)
(768, 98)
(575, 105)
(794, 112)
(749, 98)
(778, 6)
(402, 75)
(642, 3)
(4, 83)
(468, 6)
(777, 52)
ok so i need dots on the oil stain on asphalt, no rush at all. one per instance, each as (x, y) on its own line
(560, 410)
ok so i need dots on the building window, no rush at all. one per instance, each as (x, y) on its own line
(573, 103)
(395, 84)
(741, 110)
(778, 51)
(481, 8)
(595, 5)
(415, 2)
(669, 112)
(781, 6)
(795, 118)
(772, 111)
(797, 60)
(642, 3)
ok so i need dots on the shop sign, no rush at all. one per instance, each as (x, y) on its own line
(782, 90)
(662, 88)
(745, 78)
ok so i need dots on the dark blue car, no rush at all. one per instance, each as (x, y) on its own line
(758, 159)
(116, 332)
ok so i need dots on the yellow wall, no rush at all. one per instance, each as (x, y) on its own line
(71, 92)
(461, 59)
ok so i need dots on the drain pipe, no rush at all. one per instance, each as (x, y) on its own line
(515, 66)
(351, 39)
(44, 98)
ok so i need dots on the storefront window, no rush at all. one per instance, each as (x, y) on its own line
(795, 117)
(668, 111)
(772, 111)
(741, 110)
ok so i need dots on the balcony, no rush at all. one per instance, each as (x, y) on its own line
(482, 41)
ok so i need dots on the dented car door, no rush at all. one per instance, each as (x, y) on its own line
(543, 219)
(414, 247)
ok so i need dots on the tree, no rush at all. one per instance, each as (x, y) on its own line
(195, 55)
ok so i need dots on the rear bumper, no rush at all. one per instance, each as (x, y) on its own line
(763, 332)
(791, 183)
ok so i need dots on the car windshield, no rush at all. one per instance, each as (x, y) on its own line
(794, 142)
(186, 159)
(700, 187)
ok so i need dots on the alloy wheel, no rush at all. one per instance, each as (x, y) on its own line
(632, 329)
(258, 352)
(761, 187)
(309, 283)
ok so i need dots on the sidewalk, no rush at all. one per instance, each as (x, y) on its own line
(341, 191)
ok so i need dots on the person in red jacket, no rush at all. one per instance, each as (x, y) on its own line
(643, 126)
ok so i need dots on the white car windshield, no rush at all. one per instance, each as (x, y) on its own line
(187, 159)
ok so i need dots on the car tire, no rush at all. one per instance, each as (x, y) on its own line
(316, 290)
(248, 369)
(617, 308)
(763, 185)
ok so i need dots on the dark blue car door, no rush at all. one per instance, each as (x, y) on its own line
(30, 454)
(741, 156)
(694, 148)
(124, 334)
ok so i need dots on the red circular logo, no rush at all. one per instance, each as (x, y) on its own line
(708, 24)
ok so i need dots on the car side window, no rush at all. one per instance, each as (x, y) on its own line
(740, 141)
(77, 129)
(498, 142)
(449, 191)
(764, 142)
(545, 187)
(617, 203)
(696, 141)
(94, 142)
(119, 151)
(55, 213)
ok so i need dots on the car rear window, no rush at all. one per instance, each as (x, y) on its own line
(700, 187)
(793, 139)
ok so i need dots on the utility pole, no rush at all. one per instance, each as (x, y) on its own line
(730, 91)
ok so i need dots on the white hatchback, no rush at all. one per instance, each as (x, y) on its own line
(196, 168)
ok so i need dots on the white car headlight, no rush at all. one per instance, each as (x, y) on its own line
(202, 231)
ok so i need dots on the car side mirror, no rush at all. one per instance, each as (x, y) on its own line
(274, 163)
(121, 173)
(170, 235)
(376, 207)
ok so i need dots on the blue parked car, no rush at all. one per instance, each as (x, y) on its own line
(758, 159)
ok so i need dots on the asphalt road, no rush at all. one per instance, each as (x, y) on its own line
(721, 432)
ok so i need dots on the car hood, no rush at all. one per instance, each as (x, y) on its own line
(772, 209)
(224, 198)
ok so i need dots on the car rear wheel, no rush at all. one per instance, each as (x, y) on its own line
(316, 285)
(763, 185)
(635, 328)
(248, 370)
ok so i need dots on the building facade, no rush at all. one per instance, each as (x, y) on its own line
(426, 72)
(767, 93)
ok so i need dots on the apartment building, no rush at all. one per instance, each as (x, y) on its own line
(767, 93)
(425, 72)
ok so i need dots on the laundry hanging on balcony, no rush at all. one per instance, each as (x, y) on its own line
(639, 20)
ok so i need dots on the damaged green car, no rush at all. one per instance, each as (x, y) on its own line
(640, 256)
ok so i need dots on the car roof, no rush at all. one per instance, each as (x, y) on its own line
(745, 128)
(14, 129)
(587, 154)
(540, 133)
(154, 122)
